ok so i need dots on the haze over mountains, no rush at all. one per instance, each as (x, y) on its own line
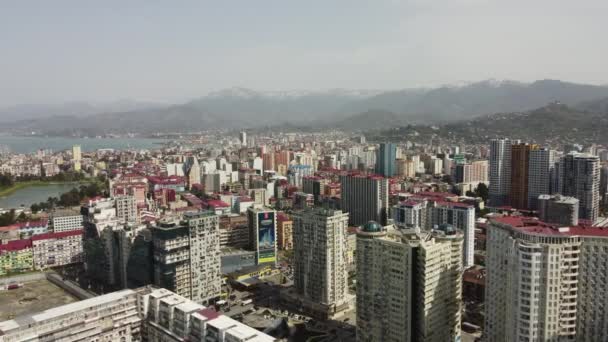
(346, 109)
(555, 123)
(76, 109)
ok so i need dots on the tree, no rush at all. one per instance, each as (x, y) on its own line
(22, 217)
(447, 179)
(6, 180)
(70, 198)
(35, 208)
(482, 191)
(7, 218)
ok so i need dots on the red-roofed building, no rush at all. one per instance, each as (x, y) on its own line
(209, 313)
(28, 228)
(164, 196)
(16, 245)
(428, 210)
(16, 256)
(57, 249)
(243, 203)
(565, 266)
(175, 183)
(192, 200)
(218, 206)
(130, 184)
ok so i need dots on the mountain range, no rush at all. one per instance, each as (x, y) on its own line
(553, 124)
(339, 108)
(75, 109)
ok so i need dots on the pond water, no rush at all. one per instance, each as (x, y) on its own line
(34, 194)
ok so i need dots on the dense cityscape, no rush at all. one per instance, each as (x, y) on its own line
(303, 171)
(308, 236)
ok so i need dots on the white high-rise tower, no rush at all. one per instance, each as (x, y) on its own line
(320, 258)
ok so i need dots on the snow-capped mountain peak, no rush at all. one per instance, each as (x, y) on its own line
(246, 93)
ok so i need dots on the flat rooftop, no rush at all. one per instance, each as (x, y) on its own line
(33, 297)
(537, 227)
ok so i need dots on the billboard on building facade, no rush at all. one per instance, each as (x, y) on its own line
(266, 237)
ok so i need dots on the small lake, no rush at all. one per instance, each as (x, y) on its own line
(34, 194)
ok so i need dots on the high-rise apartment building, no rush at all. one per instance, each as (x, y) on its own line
(540, 167)
(234, 231)
(472, 173)
(426, 211)
(604, 185)
(500, 171)
(520, 171)
(411, 214)
(408, 284)
(282, 157)
(314, 185)
(284, 231)
(385, 159)
(545, 282)
(364, 198)
(187, 256)
(320, 252)
(243, 138)
(558, 209)
(268, 161)
(531, 284)
(76, 157)
(106, 246)
(580, 178)
(405, 168)
(192, 171)
(76, 153)
(126, 208)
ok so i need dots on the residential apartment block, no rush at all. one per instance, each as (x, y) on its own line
(65, 220)
(428, 210)
(142, 314)
(187, 256)
(365, 198)
(545, 282)
(57, 249)
(409, 284)
(41, 251)
(320, 259)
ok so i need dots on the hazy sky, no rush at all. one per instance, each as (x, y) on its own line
(55, 51)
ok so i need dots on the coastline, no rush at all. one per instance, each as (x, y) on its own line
(26, 144)
(22, 185)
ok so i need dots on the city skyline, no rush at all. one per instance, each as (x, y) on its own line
(348, 170)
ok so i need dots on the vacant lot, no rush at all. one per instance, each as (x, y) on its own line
(33, 297)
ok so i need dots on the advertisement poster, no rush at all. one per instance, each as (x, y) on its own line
(266, 238)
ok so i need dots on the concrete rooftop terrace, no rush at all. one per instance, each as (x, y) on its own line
(534, 226)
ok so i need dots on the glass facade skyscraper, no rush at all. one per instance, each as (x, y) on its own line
(385, 159)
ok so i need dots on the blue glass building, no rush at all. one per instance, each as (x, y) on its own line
(385, 159)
